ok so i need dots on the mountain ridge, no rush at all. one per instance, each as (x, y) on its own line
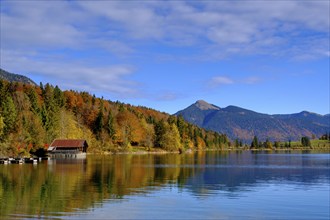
(12, 77)
(244, 124)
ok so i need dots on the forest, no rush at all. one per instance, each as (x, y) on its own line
(31, 117)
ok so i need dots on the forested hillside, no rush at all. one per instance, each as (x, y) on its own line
(31, 117)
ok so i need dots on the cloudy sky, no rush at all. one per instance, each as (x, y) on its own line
(269, 56)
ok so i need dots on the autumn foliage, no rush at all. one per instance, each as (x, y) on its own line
(32, 116)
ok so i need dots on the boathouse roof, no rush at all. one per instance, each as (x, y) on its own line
(68, 143)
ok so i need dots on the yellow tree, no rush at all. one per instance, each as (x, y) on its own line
(2, 126)
(69, 127)
(171, 140)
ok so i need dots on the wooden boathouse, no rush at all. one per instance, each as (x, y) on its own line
(68, 148)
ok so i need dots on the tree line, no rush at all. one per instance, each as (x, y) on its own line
(31, 117)
(305, 142)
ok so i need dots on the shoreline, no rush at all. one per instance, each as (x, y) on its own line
(142, 152)
(154, 151)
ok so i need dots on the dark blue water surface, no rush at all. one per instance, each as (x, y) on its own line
(204, 185)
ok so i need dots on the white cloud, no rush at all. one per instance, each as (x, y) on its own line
(220, 80)
(251, 80)
(33, 35)
(252, 26)
(222, 27)
(135, 20)
(167, 96)
(111, 79)
(37, 25)
(56, 25)
(224, 80)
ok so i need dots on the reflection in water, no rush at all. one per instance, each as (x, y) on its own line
(63, 186)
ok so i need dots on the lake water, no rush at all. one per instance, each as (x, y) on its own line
(204, 185)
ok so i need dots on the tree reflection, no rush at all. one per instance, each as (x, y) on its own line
(63, 186)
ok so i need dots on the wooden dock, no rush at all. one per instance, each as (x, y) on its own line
(28, 160)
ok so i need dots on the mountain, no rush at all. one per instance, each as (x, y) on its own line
(11, 77)
(243, 124)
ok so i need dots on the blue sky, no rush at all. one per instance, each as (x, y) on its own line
(267, 56)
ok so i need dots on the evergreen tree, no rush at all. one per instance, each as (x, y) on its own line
(277, 144)
(171, 119)
(9, 115)
(45, 117)
(110, 126)
(255, 142)
(240, 143)
(34, 101)
(59, 99)
(98, 124)
(180, 124)
(326, 136)
(305, 142)
(41, 86)
(236, 143)
(150, 119)
(48, 96)
(159, 132)
(3, 91)
(207, 141)
(197, 136)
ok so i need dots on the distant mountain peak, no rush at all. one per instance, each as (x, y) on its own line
(203, 105)
(244, 124)
(307, 113)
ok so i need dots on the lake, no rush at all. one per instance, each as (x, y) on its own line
(203, 185)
